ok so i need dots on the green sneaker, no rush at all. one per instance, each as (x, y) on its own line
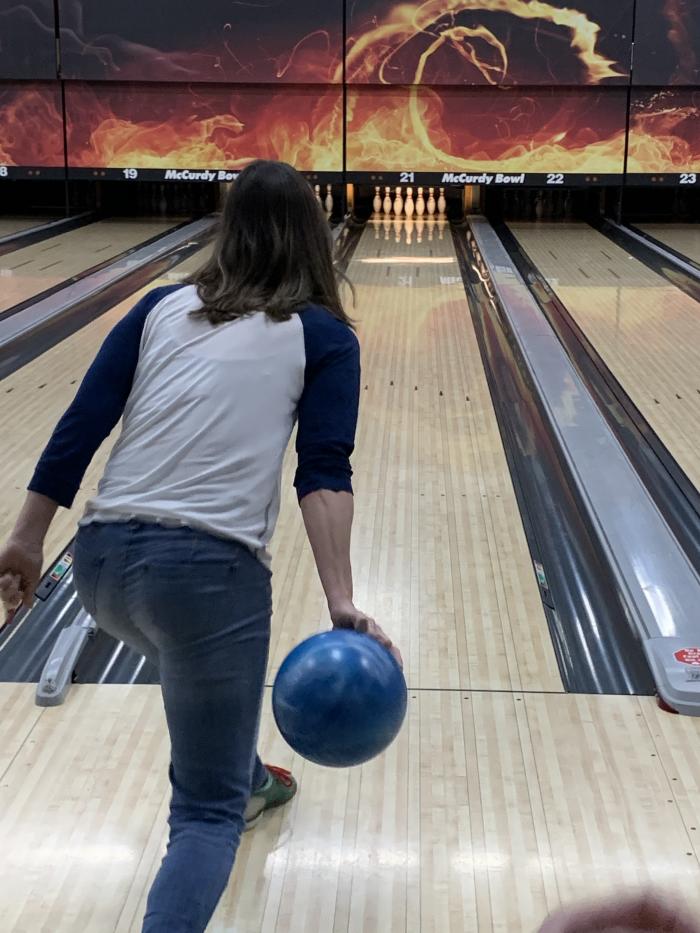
(279, 789)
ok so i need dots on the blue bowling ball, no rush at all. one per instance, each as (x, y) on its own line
(339, 698)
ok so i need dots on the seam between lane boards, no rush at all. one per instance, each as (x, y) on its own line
(21, 746)
(499, 690)
(692, 844)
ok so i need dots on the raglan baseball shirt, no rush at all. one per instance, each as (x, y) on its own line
(207, 415)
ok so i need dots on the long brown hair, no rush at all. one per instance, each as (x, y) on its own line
(274, 251)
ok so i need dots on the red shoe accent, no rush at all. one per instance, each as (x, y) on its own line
(282, 775)
(662, 704)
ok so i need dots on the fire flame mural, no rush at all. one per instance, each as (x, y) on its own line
(664, 131)
(503, 42)
(426, 129)
(423, 41)
(218, 41)
(31, 125)
(166, 126)
(667, 50)
(28, 39)
(514, 86)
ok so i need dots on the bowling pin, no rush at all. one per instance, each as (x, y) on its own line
(557, 209)
(317, 192)
(329, 199)
(398, 203)
(410, 224)
(420, 226)
(387, 200)
(420, 203)
(431, 201)
(441, 202)
(549, 204)
(409, 206)
(377, 203)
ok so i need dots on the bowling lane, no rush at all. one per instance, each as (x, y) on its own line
(684, 238)
(646, 330)
(29, 271)
(488, 811)
(11, 225)
(439, 552)
(35, 397)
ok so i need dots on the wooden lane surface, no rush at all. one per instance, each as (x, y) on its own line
(491, 807)
(438, 547)
(646, 330)
(77, 804)
(35, 397)
(439, 552)
(28, 271)
(488, 811)
(684, 238)
(11, 225)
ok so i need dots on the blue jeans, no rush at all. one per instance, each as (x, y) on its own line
(199, 608)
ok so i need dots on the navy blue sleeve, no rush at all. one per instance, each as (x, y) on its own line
(97, 407)
(327, 413)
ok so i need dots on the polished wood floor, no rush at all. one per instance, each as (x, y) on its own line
(438, 547)
(502, 797)
(28, 271)
(489, 810)
(684, 238)
(11, 225)
(646, 330)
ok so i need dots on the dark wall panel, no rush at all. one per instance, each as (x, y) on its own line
(278, 41)
(202, 126)
(27, 39)
(664, 131)
(453, 85)
(485, 42)
(31, 125)
(667, 42)
(451, 129)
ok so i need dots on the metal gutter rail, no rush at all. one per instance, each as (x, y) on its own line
(676, 269)
(592, 636)
(30, 332)
(660, 587)
(673, 492)
(15, 241)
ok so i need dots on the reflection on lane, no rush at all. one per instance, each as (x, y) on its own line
(684, 238)
(645, 330)
(27, 272)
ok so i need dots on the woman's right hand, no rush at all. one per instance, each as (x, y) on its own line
(20, 572)
(345, 615)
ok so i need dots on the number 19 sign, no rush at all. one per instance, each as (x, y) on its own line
(175, 174)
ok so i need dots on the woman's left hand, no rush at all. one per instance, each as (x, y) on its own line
(20, 571)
